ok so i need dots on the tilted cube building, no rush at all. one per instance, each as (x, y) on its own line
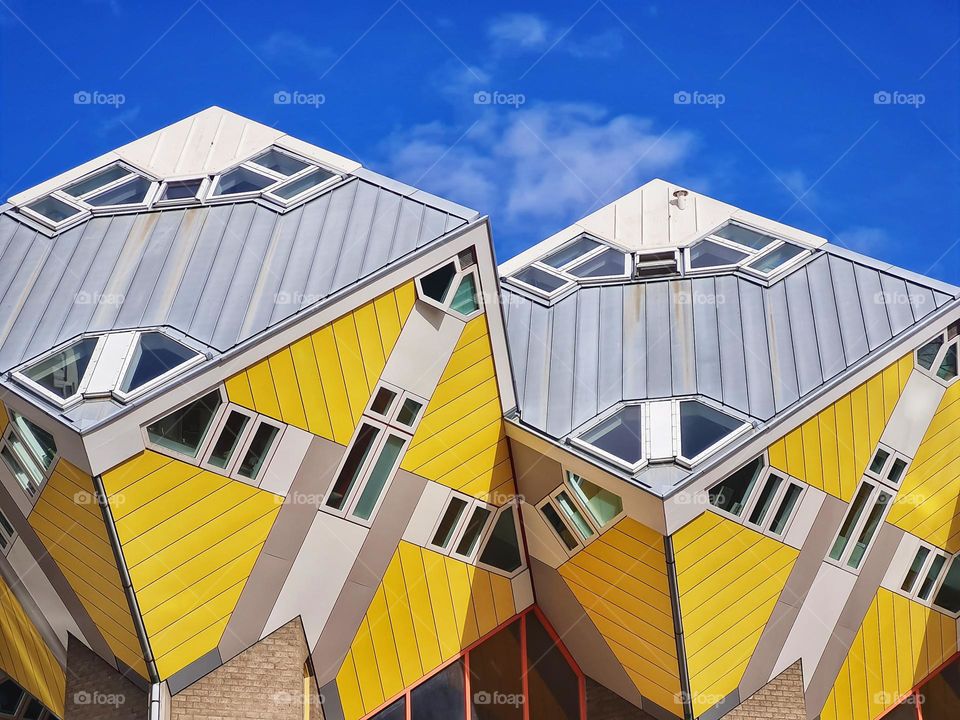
(281, 440)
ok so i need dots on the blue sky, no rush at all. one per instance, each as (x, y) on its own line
(784, 117)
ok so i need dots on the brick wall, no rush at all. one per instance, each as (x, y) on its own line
(779, 699)
(96, 691)
(264, 682)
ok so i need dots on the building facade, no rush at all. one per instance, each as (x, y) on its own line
(280, 439)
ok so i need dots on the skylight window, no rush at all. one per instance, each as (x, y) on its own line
(282, 177)
(60, 375)
(177, 191)
(584, 259)
(299, 186)
(735, 245)
(242, 180)
(97, 180)
(279, 162)
(132, 192)
(453, 286)
(619, 437)
(702, 428)
(155, 356)
(52, 210)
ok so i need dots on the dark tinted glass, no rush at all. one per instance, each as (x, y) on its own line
(941, 696)
(553, 517)
(744, 236)
(607, 263)
(259, 447)
(471, 534)
(34, 710)
(619, 435)
(436, 284)
(181, 189)
(502, 550)
(540, 279)
(731, 494)
(496, 691)
(707, 254)
(396, 711)
(227, 442)
(10, 696)
(441, 697)
(568, 253)
(701, 426)
(155, 355)
(185, 429)
(128, 193)
(553, 686)
(449, 522)
(351, 468)
(948, 597)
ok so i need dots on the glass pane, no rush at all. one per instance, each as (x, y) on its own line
(785, 510)
(34, 710)
(353, 465)
(436, 285)
(765, 500)
(41, 442)
(441, 697)
(53, 209)
(183, 431)
(465, 299)
(382, 469)
(448, 523)
(241, 180)
(62, 372)
(948, 597)
(575, 516)
(706, 254)
(775, 258)
(941, 695)
(28, 479)
(933, 574)
(602, 504)
(382, 401)
(928, 353)
(866, 535)
(475, 525)
(279, 162)
(915, 568)
(97, 180)
(607, 263)
(553, 688)
(409, 412)
(620, 435)
(226, 444)
(181, 190)
(496, 690)
(907, 710)
(502, 550)
(5, 527)
(948, 368)
(745, 236)
(701, 427)
(256, 454)
(129, 193)
(396, 711)
(853, 516)
(559, 527)
(540, 279)
(303, 183)
(569, 253)
(154, 355)
(10, 696)
(879, 460)
(731, 493)
(896, 470)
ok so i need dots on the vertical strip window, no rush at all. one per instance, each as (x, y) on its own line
(850, 521)
(353, 465)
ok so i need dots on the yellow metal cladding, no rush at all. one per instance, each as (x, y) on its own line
(322, 382)
(190, 539)
(620, 580)
(3, 418)
(461, 442)
(68, 520)
(428, 608)
(729, 578)
(927, 504)
(831, 450)
(24, 655)
(899, 644)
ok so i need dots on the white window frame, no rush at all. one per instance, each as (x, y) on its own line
(700, 457)
(304, 194)
(576, 440)
(217, 428)
(278, 178)
(574, 264)
(131, 173)
(570, 552)
(857, 529)
(883, 475)
(941, 353)
(513, 507)
(572, 493)
(32, 462)
(47, 222)
(753, 497)
(388, 425)
(109, 209)
(207, 440)
(914, 592)
(672, 266)
(125, 397)
(751, 253)
(7, 539)
(63, 403)
(461, 526)
(244, 447)
(563, 272)
(195, 200)
(458, 527)
(565, 490)
(460, 272)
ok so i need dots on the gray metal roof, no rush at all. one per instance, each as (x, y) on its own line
(220, 274)
(758, 349)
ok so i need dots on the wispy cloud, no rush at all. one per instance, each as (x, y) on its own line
(518, 33)
(292, 49)
(874, 241)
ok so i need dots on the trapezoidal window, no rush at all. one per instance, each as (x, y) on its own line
(618, 438)
(581, 260)
(29, 452)
(938, 357)
(704, 428)
(453, 286)
(155, 357)
(736, 246)
(184, 431)
(59, 376)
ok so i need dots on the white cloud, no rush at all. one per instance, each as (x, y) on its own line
(544, 164)
(517, 33)
(865, 239)
(289, 48)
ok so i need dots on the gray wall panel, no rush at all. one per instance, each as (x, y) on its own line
(337, 223)
(659, 382)
(756, 352)
(683, 361)
(897, 301)
(874, 306)
(561, 379)
(408, 229)
(357, 235)
(634, 321)
(382, 230)
(610, 381)
(783, 367)
(829, 341)
(853, 334)
(534, 407)
(518, 338)
(707, 338)
(803, 332)
(294, 257)
(733, 369)
(584, 353)
(921, 300)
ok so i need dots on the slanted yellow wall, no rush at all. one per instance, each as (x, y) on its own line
(620, 580)
(322, 382)
(461, 442)
(899, 643)
(190, 539)
(24, 655)
(928, 504)
(4, 419)
(428, 608)
(68, 520)
(729, 578)
(831, 450)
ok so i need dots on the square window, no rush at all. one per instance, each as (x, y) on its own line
(183, 431)
(473, 531)
(449, 522)
(279, 162)
(256, 455)
(708, 254)
(879, 460)
(181, 190)
(732, 493)
(542, 280)
(53, 209)
(745, 236)
(602, 504)
(409, 412)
